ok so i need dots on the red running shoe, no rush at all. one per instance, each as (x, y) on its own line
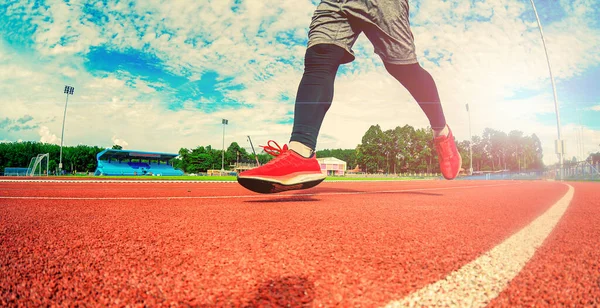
(287, 171)
(450, 160)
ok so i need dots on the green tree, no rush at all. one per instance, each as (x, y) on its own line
(201, 159)
(235, 153)
(372, 157)
(183, 160)
(538, 156)
(515, 146)
(594, 158)
(463, 149)
(423, 151)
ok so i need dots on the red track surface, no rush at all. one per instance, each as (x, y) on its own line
(566, 270)
(344, 244)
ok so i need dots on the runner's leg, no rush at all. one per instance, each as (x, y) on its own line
(330, 40)
(422, 87)
(315, 92)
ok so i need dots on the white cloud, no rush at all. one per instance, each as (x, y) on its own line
(120, 142)
(46, 136)
(60, 29)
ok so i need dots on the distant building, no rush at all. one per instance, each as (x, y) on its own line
(241, 167)
(332, 166)
(356, 170)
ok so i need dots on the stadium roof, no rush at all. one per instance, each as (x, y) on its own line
(330, 160)
(127, 154)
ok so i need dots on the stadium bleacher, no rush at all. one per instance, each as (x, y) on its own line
(131, 163)
(12, 171)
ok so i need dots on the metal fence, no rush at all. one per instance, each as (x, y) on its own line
(530, 175)
(580, 171)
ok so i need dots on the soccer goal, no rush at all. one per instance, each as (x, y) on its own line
(37, 164)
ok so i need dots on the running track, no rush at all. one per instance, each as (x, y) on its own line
(347, 244)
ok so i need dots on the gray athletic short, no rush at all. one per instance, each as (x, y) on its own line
(384, 22)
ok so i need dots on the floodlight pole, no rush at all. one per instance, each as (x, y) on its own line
(581, 147)
(559, 142)
(470, 142)
(224, 122)
(68, 90)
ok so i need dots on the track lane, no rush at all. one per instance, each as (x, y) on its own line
(147, 190)
(363, 247)
(565, 271)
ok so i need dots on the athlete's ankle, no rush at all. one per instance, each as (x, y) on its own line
(441, 132)
(301, 149)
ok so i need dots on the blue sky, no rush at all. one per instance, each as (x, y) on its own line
(159, 76)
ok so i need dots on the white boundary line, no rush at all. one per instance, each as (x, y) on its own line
(272, 196)
(477, 283)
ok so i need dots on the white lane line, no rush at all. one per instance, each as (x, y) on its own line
(477, 283)
(274, 196)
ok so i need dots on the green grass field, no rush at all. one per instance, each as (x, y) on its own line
(233, 178)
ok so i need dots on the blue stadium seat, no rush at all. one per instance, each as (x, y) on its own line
(120, 162)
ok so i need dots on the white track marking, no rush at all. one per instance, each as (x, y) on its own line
(272, 196)
(477, 283)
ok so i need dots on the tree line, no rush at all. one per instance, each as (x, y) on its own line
(81, 158)
(406, 149)
(399, 150)
(204, 158)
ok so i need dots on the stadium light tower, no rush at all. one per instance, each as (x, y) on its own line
(470, 142)
(224, 122)
(559, 144)
(68, 91)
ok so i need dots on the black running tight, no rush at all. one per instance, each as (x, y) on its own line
(421, 86)
(315, 92)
